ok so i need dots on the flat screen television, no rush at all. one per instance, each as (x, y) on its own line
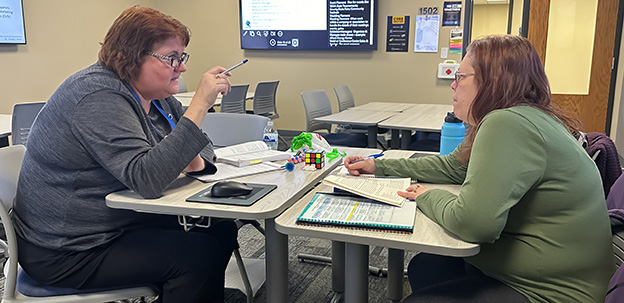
(12, 29)
(341, 25)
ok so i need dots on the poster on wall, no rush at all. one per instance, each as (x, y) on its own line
(456, 41)
(398, 34)
(426, 34)
(451, 15)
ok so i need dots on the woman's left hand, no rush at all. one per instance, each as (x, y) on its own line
(197, 164)
(413, 191)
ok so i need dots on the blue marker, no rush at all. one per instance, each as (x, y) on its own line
(375, 156)
(235, 66)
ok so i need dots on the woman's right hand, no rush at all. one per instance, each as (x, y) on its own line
(362, 167)
(210, 85)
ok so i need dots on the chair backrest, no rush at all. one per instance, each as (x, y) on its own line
(225, 129)
(317, 104)
(24, 115)
(234, 101)
(182, 85)
(264, 99)
(344, 96)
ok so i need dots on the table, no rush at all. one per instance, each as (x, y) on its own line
(5, 129)
(419, 117)
(427, 237)
(291, 187)
(383, 106)
(367, 118)
(185, 98)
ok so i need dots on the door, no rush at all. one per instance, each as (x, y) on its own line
(590, 106)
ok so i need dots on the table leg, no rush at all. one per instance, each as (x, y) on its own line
(356, 277)
(372, 136)
(276, 258)
(338, 270)
(394, 139)
(338, 266)
(406, 138)
(395, 274)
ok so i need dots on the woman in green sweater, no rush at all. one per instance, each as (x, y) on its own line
(530, 195)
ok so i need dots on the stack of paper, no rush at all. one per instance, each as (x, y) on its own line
(249, 153)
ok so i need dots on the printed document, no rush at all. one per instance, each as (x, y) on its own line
(380, 189)
(357, 211)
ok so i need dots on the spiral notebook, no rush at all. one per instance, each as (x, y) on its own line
(347, 210)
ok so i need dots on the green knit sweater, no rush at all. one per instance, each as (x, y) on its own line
(532, 197)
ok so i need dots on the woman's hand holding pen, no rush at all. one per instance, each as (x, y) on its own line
(212, 83)
(413, 191)
(360, 167)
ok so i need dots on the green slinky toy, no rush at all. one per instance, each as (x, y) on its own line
(299, 141)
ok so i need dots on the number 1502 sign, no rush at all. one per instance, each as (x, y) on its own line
(428, 11)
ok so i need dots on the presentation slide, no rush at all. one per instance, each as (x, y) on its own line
(308, 24)
(12, 22)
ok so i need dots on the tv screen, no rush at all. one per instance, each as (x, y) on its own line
(309, 24)
(12, 22)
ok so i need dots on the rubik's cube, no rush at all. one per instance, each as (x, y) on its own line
(315, 158)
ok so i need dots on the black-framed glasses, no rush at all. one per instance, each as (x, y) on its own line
(460, 76)
(173, 60)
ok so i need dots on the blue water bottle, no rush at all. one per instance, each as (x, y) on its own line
(453, 131)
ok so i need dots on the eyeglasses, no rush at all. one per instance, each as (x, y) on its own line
(173, 60)
(459, 76)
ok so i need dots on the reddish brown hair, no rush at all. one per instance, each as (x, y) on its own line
(509, 72)
(133, 35)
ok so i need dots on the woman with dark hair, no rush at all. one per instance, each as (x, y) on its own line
(111, 126)
(530, 195)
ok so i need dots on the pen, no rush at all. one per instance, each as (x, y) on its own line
(375, 156)
(235, 66)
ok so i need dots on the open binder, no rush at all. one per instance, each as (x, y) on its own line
(347, 210)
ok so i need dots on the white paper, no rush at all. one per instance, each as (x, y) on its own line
(427, 32)
(226, 171)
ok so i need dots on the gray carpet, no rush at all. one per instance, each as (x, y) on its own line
(311, 282)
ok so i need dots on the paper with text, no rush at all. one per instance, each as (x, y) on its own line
(356, 211)
(380, 189)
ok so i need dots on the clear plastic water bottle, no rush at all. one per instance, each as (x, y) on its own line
(270, 136)
(453, 131)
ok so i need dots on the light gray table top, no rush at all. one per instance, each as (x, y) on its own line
(291, 185)
(383, 106)
(427, 236)
(185, 98)
(5, 125)
(421, 117)
(357, 117)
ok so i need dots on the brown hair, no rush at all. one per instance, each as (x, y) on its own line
(509, 72)
(133, 35)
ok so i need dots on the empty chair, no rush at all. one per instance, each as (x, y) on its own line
(317, 104)
(225, 129)
(24, 115)
(264, 99)
(182, 85)
(18, 286)
(344, 96)
(234, 101)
